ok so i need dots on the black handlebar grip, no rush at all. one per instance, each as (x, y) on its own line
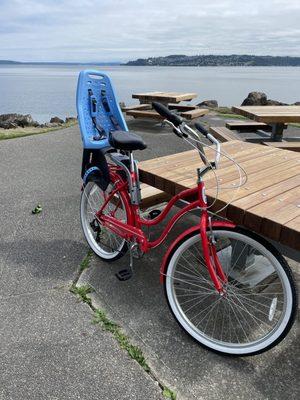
(166, 113)
(201, 129)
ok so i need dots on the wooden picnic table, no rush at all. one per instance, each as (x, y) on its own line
(269, 203)
(163, 97)
(276, 116)
(170, 99)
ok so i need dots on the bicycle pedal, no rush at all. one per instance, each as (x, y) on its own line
(124, 274)
(153, 214)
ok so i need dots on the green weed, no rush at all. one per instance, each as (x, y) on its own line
(134, 352)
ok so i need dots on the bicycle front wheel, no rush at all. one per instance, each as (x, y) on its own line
(259, 303)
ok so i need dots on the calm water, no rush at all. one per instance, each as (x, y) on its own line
(45, 91)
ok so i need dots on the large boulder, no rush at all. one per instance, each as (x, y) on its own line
(255, 99)
(10, 121)
(209, 104)
(56, 120)
(70, 119)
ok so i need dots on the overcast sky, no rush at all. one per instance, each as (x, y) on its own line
(113, 30)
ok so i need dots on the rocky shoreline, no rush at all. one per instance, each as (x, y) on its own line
(253, 99)
(14, 121)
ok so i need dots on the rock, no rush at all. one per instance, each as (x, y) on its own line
(122, 105)
(48, 125)
(56, 120)
(10, 121)
(297, 103)
(209, 104)
(8, 125)
(275, 103)
(255, 99)
(71, 119)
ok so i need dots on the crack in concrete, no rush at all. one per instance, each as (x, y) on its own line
(166, 392)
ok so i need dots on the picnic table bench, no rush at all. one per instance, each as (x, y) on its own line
(268, 204)
(223, 134)
(247, 126)
(275, 116)
(293, 146)
(144, 114)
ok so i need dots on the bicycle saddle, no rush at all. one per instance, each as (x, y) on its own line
(124, 140)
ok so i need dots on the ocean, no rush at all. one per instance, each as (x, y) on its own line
(49, 90)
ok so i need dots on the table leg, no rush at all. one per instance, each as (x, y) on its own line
(277, 132)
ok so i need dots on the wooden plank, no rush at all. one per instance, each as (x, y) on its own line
(259, 178)
(269, 217)
(248, 126)
(181, 107)
(270, 114)
(186, 162)
(165, 97)
(152, 196)
(290, 233)
(257, 181)
(144, 114)
(263, 165)
(199, 112)
(223, 134)
(261, 196)
(292, 146)
(137, 107)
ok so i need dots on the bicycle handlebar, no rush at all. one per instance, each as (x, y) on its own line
(182, 130)
(166, 113)
(201, 129)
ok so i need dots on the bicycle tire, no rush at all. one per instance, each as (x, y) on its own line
(117, 246)
(217, 344)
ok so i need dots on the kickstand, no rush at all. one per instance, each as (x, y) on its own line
(125, 274)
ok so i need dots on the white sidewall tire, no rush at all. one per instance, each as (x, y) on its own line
(211, 344)
(91, 242)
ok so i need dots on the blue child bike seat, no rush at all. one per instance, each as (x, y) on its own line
(98, 110)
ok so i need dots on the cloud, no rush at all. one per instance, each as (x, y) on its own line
(107, 30)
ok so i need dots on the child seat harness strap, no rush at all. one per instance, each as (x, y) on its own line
(93, 110)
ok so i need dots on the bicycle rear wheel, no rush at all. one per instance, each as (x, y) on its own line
(105, 243)
(259, 304)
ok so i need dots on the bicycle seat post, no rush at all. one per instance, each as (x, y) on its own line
(135, 191)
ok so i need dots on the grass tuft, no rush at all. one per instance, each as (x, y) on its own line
(134, 352)
(295, 125)
(169, 394)
(82, 292)
(225, 112)
(101, 318)
(29, 131)
(85, 263)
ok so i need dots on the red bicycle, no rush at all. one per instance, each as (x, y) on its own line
(227, 287)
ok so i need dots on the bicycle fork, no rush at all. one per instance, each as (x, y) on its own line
(208, 243)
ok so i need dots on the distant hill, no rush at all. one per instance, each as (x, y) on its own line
(9, 62)
(58, 63)
(218, 60)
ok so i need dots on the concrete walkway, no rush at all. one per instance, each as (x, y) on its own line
(49, 348)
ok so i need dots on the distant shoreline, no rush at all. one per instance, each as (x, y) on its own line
(8, 62)
(21, 64)
(234, 60)
(180, 60)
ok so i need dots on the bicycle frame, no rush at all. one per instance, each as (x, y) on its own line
(132, 230)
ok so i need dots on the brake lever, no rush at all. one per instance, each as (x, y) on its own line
(176, 130)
